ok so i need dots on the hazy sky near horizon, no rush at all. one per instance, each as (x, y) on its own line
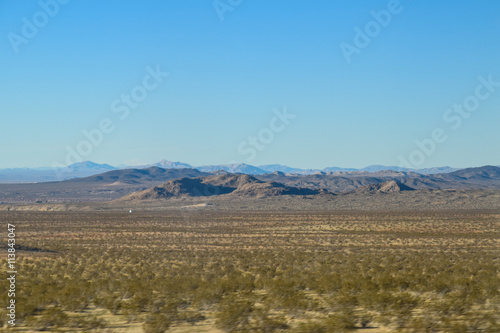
(362, 82)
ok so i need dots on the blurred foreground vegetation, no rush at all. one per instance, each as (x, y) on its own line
(257, 272)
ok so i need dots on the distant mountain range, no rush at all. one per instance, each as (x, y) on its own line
(487, 177)
(160, 183)
(231, 185)
(88, 168)
(138, 176)
(27, 175)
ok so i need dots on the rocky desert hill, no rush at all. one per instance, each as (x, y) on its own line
(102, 187)
(390, 186)
(218, 185)
(487, 177)
(116, 184)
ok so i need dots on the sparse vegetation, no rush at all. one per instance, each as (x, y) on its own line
(258, 271)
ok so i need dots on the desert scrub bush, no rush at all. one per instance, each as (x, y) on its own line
(88, 323)
(140, 301)
(337, 323)
(422, 323)
(287, 294)
(264, 322)
(341, 321)
(478, 320)
(156, 323)
(235, 312)
(401, 308)
(113, 303)
(75, 295)
(191, 317)
(338, 261)
(3, 318)
(49, 319)
(311, 327)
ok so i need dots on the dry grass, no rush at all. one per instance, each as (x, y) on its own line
(309, 271)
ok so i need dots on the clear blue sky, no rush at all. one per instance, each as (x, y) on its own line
(227, 76)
